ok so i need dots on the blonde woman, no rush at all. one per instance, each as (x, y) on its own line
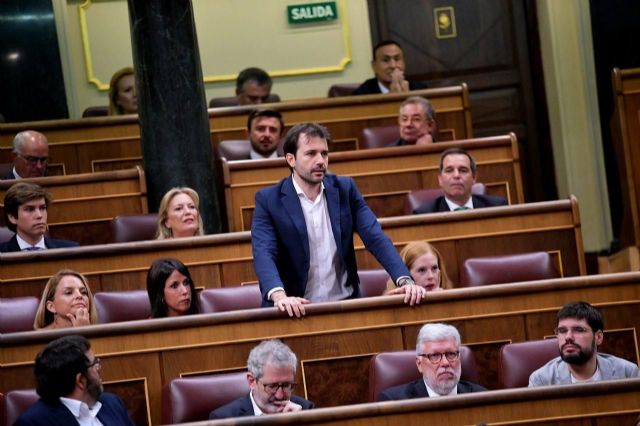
(66, 301)
(122, 93)
(179, 214)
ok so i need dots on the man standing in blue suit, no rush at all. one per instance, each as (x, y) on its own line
(302, 231)
(70, 388)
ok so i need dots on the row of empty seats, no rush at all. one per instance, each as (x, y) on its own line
(17, 314)
(192, 399)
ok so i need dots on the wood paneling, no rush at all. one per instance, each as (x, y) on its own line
(626, 140)
(225, 260)
(84, 204)
(79, 143)
(383, 175)
(332, 338)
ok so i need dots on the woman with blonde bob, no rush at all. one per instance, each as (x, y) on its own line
(426, 267)
(122, 93)
(179, 214)
(66, 301)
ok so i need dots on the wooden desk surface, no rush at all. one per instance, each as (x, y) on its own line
(78, 142)
(334, 342)
(384, 175)
(603, 403)
(225, 260)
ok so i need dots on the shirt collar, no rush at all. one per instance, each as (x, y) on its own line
(15, 174)
(301, 193)
(383, 88)
(23, 244)
(81, 409)
(434, 394)
(453, 206)
(256, 410)
(254, 155)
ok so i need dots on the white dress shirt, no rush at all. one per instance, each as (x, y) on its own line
(25, 245)
(84, 415)
(453, 206)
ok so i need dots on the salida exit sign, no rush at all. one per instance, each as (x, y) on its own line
(312, 12)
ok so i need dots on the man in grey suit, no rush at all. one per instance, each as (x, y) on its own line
(271, 376)
(438, 359)
(579, 327)
(457, 175)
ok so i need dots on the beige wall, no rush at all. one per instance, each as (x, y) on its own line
(232, 34)
(570, 85)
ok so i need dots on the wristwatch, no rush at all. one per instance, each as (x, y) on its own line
(402, 281)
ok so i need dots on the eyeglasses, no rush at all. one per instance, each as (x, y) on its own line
(34, 160)
(435, 358)
(96, 362)
(561, 331)
(285, 386)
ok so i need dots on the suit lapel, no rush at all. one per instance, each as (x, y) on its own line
(333, 205)
(419, 389)
(291, 203)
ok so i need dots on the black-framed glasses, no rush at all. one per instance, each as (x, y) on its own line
(436, 357)
(34, 160)
(285, 386)
(96, 362)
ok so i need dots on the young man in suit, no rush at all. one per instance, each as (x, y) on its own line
(438, 359)
(70, 388)
(388, 66)
(25, 210)
(580, 330)
(456, 177)
(302, 231)
(264, 129)
(30, 155)
(271, 376)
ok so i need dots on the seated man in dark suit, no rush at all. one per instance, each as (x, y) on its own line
(30, 155)
(264, 128)
(253, 86)
(70, 388)
(457, 175)
(25, 211)
(388, 66)
(271, 376)
(438, 359)
(417, 122)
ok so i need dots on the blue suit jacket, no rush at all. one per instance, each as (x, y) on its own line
(242, 407)
(479, 201)
(281, 245)
(112, 412)
(12, 244)
(371, 87)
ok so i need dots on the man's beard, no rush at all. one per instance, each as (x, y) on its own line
(94, 388)
(579, 357)
(444, 388)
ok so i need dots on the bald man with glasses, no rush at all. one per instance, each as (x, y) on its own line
(30, 155)
(438, 359)
(271, 376)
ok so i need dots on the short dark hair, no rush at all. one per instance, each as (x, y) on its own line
(582, 311)
(17, 195)
(383, 43)
(256, 113)
(157, 277)
(257, 75)
(290, 145)
(57, 366)
(451, 151)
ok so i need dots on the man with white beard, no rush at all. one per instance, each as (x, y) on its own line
(438, 359)
(580, 330)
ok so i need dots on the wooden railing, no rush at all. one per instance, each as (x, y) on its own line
(225, 260)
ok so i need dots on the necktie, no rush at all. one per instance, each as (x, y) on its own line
(32, 248)
(457, 209)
